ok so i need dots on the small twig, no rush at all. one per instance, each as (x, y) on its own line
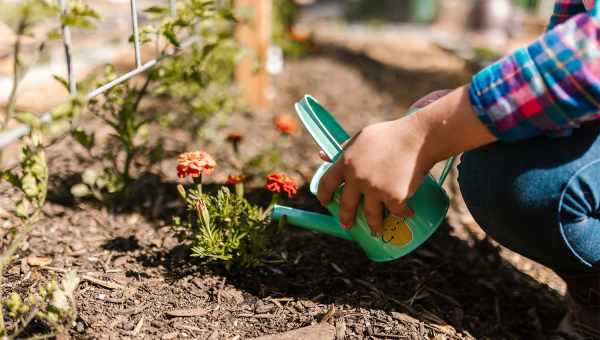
(221, 286)
(105, 284)
(133, 310)
(448, 298)
(497, 310)
(329, 314)
(139, 325)
(390, 336)
(102, 283)
(256, 316)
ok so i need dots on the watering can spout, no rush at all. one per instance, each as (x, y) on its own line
(309, 220)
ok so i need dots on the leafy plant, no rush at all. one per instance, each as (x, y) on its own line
(199, 81)
(294, 43)
(129, 139)
(53, 304)
(225, 228)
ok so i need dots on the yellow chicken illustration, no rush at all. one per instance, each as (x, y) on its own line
(396, 231)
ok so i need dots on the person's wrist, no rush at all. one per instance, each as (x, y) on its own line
(419, 131)
(450, 126)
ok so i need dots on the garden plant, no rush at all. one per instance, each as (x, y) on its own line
(199, 79)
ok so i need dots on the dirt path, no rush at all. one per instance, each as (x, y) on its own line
(456, 286)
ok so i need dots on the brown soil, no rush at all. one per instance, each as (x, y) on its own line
(458, 285)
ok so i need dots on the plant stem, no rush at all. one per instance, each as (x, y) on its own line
(239, 189)
(130, 153)
(26, 322)
(12, 98)
(142, 92)
(24, 230)
(127, 165)
(274, 200)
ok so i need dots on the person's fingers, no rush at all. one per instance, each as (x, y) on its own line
(373, 210)
(324, 157)
(399, 209)
(330, 182)
(348, 204)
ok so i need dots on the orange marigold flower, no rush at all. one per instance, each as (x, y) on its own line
(195, 164)
(234, 137)
(286, 123)
(278, 182)
(235, 179)
(299, 35)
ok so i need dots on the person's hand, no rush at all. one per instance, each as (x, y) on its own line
(384, 163)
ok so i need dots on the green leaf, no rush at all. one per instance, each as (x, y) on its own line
(29, 186)
(70, 282)
(11, 178)
(38, 170)
(80, 190)
(13, 304)
(89, 176)
(28, 119)
(156, 10)
(54, 34)
(22, 208)
(60, 301)
(87, 140)
(64, 110)
(170, 35)
(61, 80)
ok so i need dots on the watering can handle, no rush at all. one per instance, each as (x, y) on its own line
(330, 135)
(446, 170)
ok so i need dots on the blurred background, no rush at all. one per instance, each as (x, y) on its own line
(366, 61)
(477, 31)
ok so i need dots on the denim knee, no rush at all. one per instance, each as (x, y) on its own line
(550, 214)
(579, 214)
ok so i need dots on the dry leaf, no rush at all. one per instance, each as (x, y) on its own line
(187, 312)
(37, 261)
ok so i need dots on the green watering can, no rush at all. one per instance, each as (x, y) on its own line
(401, 234)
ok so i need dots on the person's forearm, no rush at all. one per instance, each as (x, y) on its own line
(450, 126)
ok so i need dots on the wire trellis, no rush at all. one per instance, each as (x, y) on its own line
(14, 134)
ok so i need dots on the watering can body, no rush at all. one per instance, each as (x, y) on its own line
(401, 234)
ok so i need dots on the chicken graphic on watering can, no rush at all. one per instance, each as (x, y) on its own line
(401, 234)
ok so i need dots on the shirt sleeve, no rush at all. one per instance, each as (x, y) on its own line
(565, 9)
(548, 87)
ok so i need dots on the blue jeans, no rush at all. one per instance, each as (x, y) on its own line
(540, 197)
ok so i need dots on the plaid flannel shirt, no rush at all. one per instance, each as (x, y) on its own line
(548, 87)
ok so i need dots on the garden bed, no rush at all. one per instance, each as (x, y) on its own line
(139, 281)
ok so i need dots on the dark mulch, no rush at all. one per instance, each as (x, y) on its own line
(453, 287)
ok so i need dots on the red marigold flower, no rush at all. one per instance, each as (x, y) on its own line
(286, 123)
(278, 182)
(195, 164)
(235, 179)
(234, 137)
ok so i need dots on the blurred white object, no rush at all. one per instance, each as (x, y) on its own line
(493, 18)
(305, 2)
(274, 63)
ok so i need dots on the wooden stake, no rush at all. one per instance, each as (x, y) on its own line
(254, 34)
